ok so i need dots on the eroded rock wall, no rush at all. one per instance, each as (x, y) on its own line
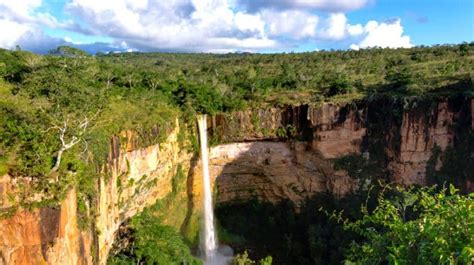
(401, 137)
(45, 236)
(419, 134)
(137, 179)
(134, 178)
(272, 171)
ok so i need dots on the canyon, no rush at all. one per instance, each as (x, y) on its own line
(269, 153)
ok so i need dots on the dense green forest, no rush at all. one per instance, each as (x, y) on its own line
(58, 111)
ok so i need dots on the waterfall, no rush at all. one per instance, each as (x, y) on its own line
(208, 237)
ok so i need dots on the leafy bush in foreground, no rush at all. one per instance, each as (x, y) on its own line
(416, 227)
(243, 259)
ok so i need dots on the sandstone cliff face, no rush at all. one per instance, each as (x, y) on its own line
(137, 178)
(134, 178)
(337, 131)
(45, 236)
(420, 133)
(271, 171)
(406, 137)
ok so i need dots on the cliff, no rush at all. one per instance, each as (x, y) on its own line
(272, 154)
(45, 236)
(137, 178)
(132, 179)
(400, 138)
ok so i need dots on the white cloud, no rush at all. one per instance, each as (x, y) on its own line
(22, 8)
(20, 23)
(335, 27)
(197, 25)
(292, 24)
(327, 5)
(192, 25)
(252, 23)
(355, 30)
(373, 34)
(11, 32)
(23, 11)
(384, 35)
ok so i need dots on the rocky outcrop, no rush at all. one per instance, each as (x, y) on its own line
(273, 171)
(270, 171)
(405, 135)
(419, 134)
(45, 236)
(337, 131)
(133, 179)
(136, 178)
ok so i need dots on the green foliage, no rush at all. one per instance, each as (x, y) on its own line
(154, 243)
(68, 51)
(359, 167)
(42, 95)
(400, 78)
(288, 131)
(339, 85)
(416, 227)
(203, 99)
(243, 259)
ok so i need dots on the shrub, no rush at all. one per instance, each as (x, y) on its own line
(416, 227)
(154, 243)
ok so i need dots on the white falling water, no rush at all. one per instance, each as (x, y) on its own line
(208, 238)
(213, 253)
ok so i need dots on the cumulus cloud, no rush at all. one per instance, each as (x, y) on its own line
(23, 12)
(195, 25)
(354, 30)
(292, 24)
(20, 24)
(336, 26)
(326, 5)
(191, 25)
(384, 35)
(11, 32)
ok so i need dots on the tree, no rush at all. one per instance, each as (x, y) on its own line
(339, 85)
(464, 48)
(243, 259)
(416, 227)
(67, 51)
(154, 243)
(400, 77)
(70, 132)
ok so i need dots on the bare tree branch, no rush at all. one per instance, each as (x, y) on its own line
(77, 136)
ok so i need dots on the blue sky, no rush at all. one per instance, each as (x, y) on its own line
(233, 25)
